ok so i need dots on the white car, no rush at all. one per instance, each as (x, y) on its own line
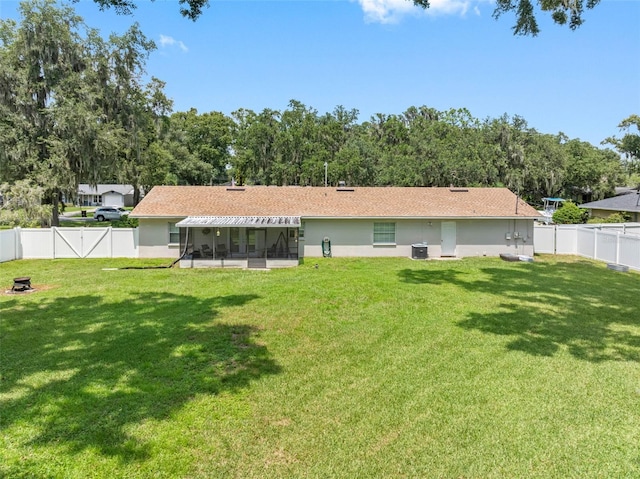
(109, 213)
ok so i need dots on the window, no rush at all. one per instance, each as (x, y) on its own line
(384, 233)
(174, 234)
(301, 230)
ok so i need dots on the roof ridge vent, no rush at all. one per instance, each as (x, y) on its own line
(458, 190)
(235, 188)
(342, 188)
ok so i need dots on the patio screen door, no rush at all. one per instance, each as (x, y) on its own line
(256, 247)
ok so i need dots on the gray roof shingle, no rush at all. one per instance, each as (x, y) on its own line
(625, 202)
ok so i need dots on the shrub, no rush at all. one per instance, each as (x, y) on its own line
(125, 222)
(570, 214)
(619, 217)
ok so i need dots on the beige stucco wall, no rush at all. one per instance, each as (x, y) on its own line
(596, 213)
(473, 237)
(154, 239)
(489, 237)
(355, 238)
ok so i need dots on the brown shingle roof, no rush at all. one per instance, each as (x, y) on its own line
(368, 202)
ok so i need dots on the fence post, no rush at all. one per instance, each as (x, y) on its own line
(17, 245)
(595, 243)
(618, 247)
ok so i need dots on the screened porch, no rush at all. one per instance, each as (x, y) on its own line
(254, 242)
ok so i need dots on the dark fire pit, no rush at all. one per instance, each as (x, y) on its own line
(21, 284)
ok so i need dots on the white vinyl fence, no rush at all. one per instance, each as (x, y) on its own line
(52, 243)
(9, 245)
(612, 243)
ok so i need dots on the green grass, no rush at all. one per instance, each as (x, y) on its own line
(354, 369)
(73, 208)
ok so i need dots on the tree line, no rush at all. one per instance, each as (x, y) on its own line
(420, 147)
(74, 109)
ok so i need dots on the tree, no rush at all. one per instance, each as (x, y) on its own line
(142, 114)
(191, 9)
(65, 98)
(590, 171)
(562, 11)
(22, 204)
(44, 65)
(547, 166)
(296, 144)
(629, 144)
(200, 145)
(255, 149)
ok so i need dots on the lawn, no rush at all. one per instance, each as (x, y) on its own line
(352, 369)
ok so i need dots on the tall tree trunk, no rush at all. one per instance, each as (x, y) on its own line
(55, 218)
(136, 195)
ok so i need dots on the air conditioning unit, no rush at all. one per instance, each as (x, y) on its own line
(419, 251)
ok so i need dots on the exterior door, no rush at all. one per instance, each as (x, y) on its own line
(448, 238)
(256, 247)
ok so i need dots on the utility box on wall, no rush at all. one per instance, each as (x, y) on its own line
(419, 251)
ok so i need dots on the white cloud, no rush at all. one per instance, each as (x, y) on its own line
(386, 11)
(167, 41)
(451, 7)
(391, 11)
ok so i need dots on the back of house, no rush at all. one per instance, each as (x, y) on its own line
(269, 226)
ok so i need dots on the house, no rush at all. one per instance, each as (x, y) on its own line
(626, 201)
(105, 195)
(271, 226)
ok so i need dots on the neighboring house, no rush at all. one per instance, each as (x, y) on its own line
(105, 195)
(270, 226)
(627, 201)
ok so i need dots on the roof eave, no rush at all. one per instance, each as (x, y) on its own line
(520, 217)
(316, 217)
(154, 217)
(635, 209)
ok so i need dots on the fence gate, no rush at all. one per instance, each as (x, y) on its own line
(81, 242)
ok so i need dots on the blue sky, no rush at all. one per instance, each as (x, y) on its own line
(383, 56)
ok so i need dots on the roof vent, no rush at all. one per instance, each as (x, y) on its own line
(342, 186)
(235, 188)
(458, 190)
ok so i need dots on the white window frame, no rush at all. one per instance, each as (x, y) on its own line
(174, 230)
(384, 233)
